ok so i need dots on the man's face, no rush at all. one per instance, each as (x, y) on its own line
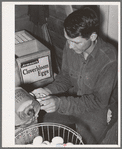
(78, 44)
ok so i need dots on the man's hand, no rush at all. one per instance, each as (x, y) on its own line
(40, 92)
(50, 104)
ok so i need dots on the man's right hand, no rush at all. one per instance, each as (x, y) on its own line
(40, 92)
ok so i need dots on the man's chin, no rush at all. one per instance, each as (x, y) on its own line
(78, 52)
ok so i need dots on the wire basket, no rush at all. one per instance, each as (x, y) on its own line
(48, 131)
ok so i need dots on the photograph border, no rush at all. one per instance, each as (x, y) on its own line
(7, 63)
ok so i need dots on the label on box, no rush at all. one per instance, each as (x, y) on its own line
(35, 70)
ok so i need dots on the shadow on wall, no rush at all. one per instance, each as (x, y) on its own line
(113, 42)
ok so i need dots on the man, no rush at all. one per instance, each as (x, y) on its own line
(88, 77)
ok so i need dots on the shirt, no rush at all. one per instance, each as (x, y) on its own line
(89, 83)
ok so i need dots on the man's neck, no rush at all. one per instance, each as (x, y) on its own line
(89, 50)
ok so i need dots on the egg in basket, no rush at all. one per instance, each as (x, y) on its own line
(39, 134)
(48, 134)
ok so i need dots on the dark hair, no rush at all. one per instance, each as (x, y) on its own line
(82, 22)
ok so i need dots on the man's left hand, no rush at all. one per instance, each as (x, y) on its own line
(50, 104)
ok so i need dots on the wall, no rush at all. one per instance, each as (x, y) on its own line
(57, 14)
(22, 20)
(109, 23)
(108, 15)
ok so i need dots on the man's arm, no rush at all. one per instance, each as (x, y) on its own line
(98, 99)
(62, 81)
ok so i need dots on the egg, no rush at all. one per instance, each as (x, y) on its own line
(46, 142)
(57, 140)
(37, 140)
(52, 144)
(43, 144)
(69, 144)
(60, 145)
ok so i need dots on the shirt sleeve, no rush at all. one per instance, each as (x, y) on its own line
(62, 81)
(98, 99)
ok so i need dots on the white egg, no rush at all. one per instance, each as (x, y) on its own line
(46, 142)
(52, 144)
(60, 145)
(57, 140)
(43, 144)
(37, 140)
(69, 144)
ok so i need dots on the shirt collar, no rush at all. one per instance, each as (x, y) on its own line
(89, 50)
(95, 50)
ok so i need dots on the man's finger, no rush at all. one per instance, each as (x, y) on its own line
(47, 107)
(43, 99)
(45, 102)
(52, 109)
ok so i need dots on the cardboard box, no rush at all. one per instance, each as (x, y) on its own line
(34, 60)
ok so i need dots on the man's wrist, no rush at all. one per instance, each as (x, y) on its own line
(57, 102)
(47, 90)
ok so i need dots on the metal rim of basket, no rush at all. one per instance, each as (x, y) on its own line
(54, 125)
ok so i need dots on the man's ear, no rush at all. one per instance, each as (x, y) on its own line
(93, 36)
